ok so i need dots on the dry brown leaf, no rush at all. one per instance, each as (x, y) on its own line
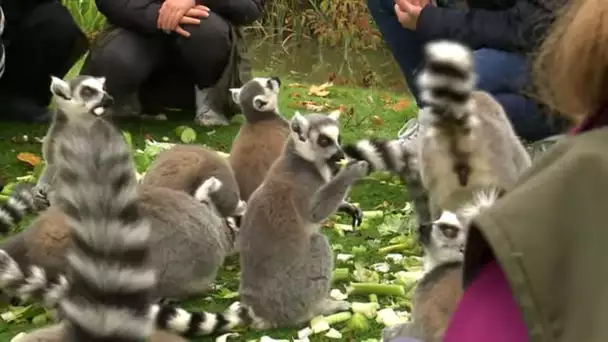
(296, 95)
(319, 90)
(297, 105)
(29, 158)
(295, 85)
(377, 121)
(314, 107)
(401, 104)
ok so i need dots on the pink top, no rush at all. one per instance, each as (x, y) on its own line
(487, 311)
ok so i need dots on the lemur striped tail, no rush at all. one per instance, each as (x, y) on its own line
(447, 80)
(33, 283)
(20, 203)
(446, 84)
(400, 158)
(187, 323)
(109, 298)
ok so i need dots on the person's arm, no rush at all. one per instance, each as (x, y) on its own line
(517, 29)
(238, 12)
(135, 15)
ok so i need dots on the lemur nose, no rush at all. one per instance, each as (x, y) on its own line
(107, 100)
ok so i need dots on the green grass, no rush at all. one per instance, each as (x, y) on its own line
(368, 112)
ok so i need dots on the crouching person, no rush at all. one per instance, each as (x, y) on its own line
(37, 39)
(177, 53)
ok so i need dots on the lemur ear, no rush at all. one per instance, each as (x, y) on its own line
(102, 80)
(260, 102)
(236, 95)
(299, 126)
(334, 115)
(60, 88)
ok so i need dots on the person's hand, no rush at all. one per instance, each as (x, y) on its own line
(171, 12)
(191, 17)
(408, 11)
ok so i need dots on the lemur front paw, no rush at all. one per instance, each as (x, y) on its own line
(41, 196)
(357, 169)
(355, 212)
(209, 186)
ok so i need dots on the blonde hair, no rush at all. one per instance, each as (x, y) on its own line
(571, 69)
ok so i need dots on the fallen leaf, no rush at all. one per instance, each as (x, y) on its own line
(377, 121)
(296, 95)
(400, 105)
(319, 90)
(308, 105)
(314, 107)
(29, 158)
(295, 85)
(297, 105)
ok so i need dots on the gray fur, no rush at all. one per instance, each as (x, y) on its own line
(76, 100)
(467, 143)
(20, 204)
(402, 159)
(439, 290)
(286, 263)
(188, 167)
(97, 190)
(188, 241)
(258, 98)
(261, 138)
(469, 156)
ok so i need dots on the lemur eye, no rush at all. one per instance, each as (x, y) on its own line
(449, 231)
(87, 92)
(324, 141)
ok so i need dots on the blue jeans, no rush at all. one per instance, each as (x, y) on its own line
(500, 73)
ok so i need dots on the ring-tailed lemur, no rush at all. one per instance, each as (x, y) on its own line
(19, 204)
(200, 172)
(286, 262)
(466, 144)
(261, 138)
(437, 293)
(190, 240)
(82, 99)
(112, 276)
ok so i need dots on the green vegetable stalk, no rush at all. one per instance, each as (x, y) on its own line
(337, 318)
(358, 322)
(340, 274)
(378, 289)
(394, 248)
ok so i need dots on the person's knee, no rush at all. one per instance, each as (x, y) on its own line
(209, 41)
(119, 61)
(54, 23)
(499, 71)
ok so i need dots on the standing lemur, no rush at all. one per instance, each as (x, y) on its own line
(466, 157)
(112, 277)
(261, 138)
(189, 239)
(466, 144)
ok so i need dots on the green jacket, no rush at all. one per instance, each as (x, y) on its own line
(550, 235)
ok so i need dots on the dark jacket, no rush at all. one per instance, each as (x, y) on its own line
(140, 15)
(15, 11)
(508, 25)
